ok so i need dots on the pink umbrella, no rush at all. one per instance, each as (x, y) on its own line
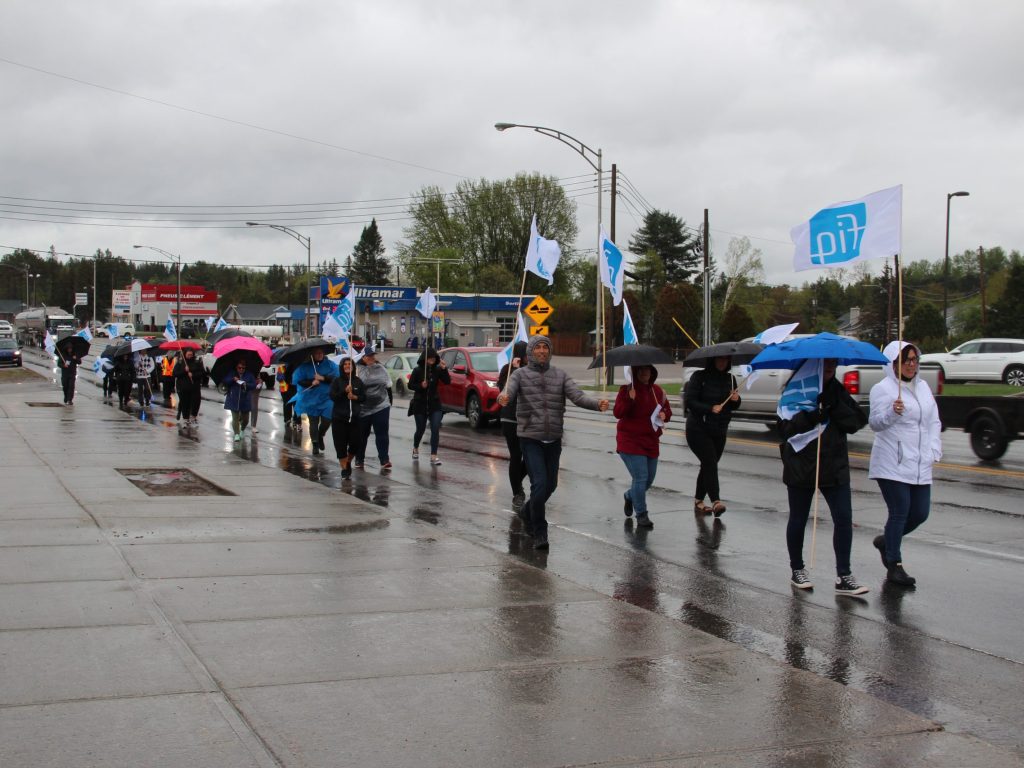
(244, 343)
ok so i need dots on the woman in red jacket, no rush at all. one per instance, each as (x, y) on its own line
(641, 409)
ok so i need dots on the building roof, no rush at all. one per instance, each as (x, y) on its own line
(258, 312)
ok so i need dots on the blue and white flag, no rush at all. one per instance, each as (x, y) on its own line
(629, 336)
(100, 366)
(113, 330)
(209, 323)
(169, 332)
(843, 233)
(769, 336)
(801, 394)
(522, 334)
(49, 343)
(338, 324)
(613, 267)
(221, 325)
(85, 333)
(426, 305)
(542, 255)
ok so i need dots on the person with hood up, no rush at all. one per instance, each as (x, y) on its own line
(425, 406)
(188, 381)
(516, 463)
(641, 409)
(837, 416)
(710, 397)
(124, 375)
(908, 440)
(312, 399)
(347, 392)
(239, 383)
(375, 412)
(540, 391)
(68, 362)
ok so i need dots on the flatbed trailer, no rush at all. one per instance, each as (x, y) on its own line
(992, 422)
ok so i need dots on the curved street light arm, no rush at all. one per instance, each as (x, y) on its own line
(303, 239)
(570, 141)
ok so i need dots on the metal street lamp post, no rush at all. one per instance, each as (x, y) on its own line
(594, 159)
(303, 240)
(945, 270)
(173, 258)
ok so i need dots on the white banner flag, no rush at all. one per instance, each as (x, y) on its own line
(505, 355)
(613, 267)
(843, 233)
(542, 255)
(427, 304)
(801, 394)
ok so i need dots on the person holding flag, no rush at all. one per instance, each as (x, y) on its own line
(68, 362)
(815, 408)
(312, 380)
(425, 406)
(709, 398)
(347, 392)
(516, 464)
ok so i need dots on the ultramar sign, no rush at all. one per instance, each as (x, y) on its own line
(539, 311)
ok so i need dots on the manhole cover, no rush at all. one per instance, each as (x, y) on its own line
(172, 482)
(44, 405)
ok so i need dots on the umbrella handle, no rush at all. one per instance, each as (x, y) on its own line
(723, 403)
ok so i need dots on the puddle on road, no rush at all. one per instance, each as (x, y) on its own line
(369, 525)
(172, 482)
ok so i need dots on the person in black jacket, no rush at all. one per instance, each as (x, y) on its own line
(426, 404)
(837, 416)
(516, 464)
(68, 362)
(188, 382)
(347, 392)
(124, 375)
(710, 398)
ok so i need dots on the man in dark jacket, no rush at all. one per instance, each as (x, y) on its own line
(836, 416)
(540, 391)
(68, 362)
(516, 464)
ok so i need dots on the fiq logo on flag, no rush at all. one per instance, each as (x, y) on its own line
(836, 234)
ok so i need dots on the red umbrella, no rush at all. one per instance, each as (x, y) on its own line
(180, 345)
(244, 343)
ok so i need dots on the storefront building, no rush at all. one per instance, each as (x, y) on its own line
(149, 306)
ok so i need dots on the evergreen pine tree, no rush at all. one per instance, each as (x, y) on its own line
(369, 265)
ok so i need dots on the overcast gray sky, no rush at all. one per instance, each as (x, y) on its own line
(761, 111)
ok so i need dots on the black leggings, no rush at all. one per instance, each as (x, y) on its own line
(346, 435)
(708, 446)
(516, 465)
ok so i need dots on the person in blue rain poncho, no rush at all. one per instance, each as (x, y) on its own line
(313, 399)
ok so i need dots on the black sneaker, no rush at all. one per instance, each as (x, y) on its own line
(518, 499)
(899, 576)
(801, 580)
(643, 521)
(541, 543)
(346, 473)
(879, 544)
(627, 506)
(847, 585)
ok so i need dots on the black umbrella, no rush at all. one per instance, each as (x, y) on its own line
(297, 353)
(277, 356)
(79, 346)
(632, 354)
(226, 333)
(741, 352)
(135, 345)
(108, 351)
(225, 364)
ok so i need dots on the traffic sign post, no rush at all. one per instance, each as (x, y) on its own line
(541, 330)
(539, 311)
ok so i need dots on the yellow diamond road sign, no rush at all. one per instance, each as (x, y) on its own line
(539, 311)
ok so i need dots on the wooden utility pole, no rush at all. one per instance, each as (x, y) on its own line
(615, 188)
(981, 272)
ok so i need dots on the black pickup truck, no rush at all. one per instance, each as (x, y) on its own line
(992, 422)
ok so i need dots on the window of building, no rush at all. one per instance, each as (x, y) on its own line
(506, 329)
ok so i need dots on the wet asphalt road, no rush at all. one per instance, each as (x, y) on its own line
(951, 651)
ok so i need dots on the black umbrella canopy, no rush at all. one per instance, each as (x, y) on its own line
(297, 353)
(277, 356)
(741, 352)
(79, 346)
(108, 351)
(632, 354)
(225, 364)
(135, 345)
(226, 333)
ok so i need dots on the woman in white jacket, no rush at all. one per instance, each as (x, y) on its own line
(908, 440)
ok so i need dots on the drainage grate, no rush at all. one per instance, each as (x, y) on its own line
(172, 482)
(44, 405)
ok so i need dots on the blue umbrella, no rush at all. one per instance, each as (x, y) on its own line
(791, 354)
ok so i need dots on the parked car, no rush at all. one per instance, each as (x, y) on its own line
(6, 330)
(115, 329)
(399, 368)
(982, 360)
(10, 352)
(474, 387)
(760, 401)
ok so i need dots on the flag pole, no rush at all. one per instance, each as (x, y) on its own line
(817, 478)
(899, 327)
(604, 348)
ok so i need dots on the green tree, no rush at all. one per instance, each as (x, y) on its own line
(925, 325)
(736, 324)
(682, 302)
(369, 265)
(1005, 317)
(667, 235)
(483, 223)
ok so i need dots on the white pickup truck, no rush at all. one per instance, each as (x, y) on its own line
(759, 403)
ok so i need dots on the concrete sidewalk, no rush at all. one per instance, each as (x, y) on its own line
(289, 624)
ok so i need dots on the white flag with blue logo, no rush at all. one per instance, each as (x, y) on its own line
(427, 304)
(338, 324)
(169, 333)
(85, 333)
(209, 323)
(613, 267)
(801, 394)
(505, 355)
(843, 233)
(100, 366)
(49, 343)
(629, 336)
(542, 255)
(769, 336)
(221, 325)
(113, 330)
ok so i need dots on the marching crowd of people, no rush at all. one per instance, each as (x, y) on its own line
(354, 399)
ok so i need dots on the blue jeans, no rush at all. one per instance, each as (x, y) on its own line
(642, 469)
(908, 508)
(841, 508)
(422, 419)
(379, 423)
(542, 465)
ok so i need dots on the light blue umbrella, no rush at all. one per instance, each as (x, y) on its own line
(792, 354)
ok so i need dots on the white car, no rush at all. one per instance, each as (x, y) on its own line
(983, 360)
(116, 329)
(6, 330)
